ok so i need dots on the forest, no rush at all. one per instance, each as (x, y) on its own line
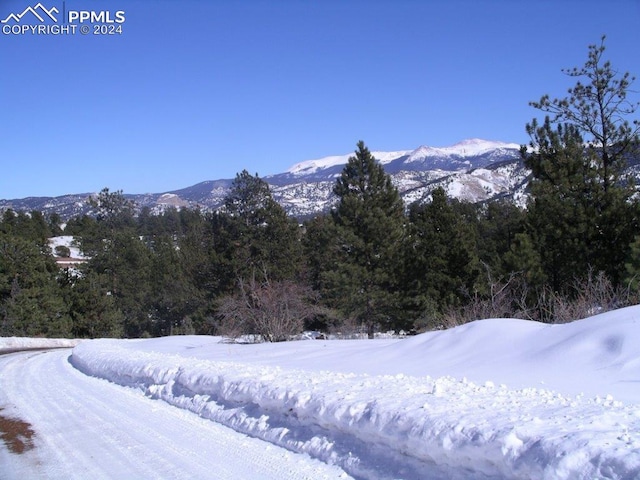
(371, 264)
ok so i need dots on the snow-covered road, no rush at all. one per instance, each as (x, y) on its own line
(492, 399)
(90, 428)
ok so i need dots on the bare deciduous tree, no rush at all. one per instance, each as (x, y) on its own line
(273, 310)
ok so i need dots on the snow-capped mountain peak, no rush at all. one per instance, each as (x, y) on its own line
(312, 166)
(466, 148)
(422, 152)
(477, 146)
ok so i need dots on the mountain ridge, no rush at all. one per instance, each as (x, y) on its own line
(471, 170)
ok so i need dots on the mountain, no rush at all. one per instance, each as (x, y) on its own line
(473, 170)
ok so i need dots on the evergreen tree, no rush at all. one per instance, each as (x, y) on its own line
(93, 307)
(55, 225)
(369, 220)
(31, 302)
(562, 215)
(206, 255)
(599, 109)
(261, 237)
(320, 249)
(8, 221)
(112, 211)
(583, 213)
(32, 226)
(260, 247)
(36, 226)
(124, 261)
(84, 227)
(441, 258)
(173, 298)
(499, 223)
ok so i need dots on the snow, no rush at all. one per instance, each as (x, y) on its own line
(477, 146)
(423, 152)
(311, 166)
(495, 398)
(22, 343)
(66, 241)
(466, 148)
(76, 427)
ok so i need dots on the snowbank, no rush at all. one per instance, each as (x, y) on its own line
(10, 344)
(399, 408)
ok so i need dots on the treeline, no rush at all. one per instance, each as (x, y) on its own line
(370, 264)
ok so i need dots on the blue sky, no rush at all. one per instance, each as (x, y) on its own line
(199, 90)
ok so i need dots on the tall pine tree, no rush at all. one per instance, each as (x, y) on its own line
(583, 215)
(260, 235)
(369, 220)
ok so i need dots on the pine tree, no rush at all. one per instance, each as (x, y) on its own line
(31, 302)
(562, 214)
(320, 249)
(499, 223)
(173, 297)
(92, 306)
(599, 109)
(441, 258)
(125, 262)
(260, 236)
(583, 215)
(31, 226)
(369, 220)
(113, 211)
(523, 263)
(262, 246)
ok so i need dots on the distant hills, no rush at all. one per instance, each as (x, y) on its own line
(473, 170)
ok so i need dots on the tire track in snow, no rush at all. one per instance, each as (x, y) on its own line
(89, 428)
